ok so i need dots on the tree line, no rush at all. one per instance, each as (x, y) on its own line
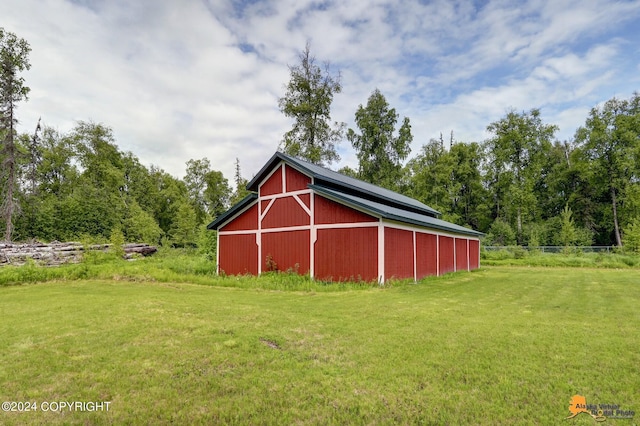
(520, 186)
(79, 184)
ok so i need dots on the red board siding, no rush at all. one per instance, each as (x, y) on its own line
(426, 255)
(306, 199)
(474, 254)
(273, 185)
(398, 253)
(347, 253)
(246, 221)
(285, 212)
(289, 250)
(327, 211)
(447, 253)
(295, 180)
(238, 254)
(462, 262)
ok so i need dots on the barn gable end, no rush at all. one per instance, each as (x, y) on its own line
(273, 184)
(245, 221)
(295, 180)
(310, 220)
(284, 212)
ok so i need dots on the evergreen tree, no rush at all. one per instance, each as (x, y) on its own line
(241, 185)
(308, 101)
(568, 232)
(632, 236)
(14, 58)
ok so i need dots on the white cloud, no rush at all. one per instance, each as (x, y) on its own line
(198, 78)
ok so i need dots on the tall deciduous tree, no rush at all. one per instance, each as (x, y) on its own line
(14, 58)
(610, 143)
(196, 181)
(169, 193)
(308, 102)
(380, 151)
(208, 189)
(469, 204)
(450, 181)
(514, 163)
(217, 194)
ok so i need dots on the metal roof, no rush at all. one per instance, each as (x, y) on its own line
(393, 213)
(343, 183)
(372, 199)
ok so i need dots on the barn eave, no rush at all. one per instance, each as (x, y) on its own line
(235, 209)
(393, 213)
(342, 183)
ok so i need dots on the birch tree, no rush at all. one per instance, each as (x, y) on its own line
(610, 144)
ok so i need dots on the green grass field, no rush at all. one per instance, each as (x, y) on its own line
(503, 345)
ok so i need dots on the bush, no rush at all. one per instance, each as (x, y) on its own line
(518, 252)
(500, 234)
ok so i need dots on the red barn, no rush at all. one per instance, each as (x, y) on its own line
(308, 219)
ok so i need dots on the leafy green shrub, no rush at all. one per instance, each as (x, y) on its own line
(500, 234)
(518, 252)
(140, 226)
(498, 254)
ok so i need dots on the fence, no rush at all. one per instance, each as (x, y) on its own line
(554, 249)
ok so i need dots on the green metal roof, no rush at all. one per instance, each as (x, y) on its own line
(372, 199)
(393, 213)
(338, 181)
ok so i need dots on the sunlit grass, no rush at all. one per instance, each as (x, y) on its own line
(170, 266)
(496, 346)
(518, 256)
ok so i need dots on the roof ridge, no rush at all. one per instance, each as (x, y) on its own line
(359, 186)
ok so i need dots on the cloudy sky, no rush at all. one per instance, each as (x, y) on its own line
(187, 79)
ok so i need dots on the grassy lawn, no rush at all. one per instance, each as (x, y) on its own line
(503, 345)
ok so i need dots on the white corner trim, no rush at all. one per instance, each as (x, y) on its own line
(381, 272)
